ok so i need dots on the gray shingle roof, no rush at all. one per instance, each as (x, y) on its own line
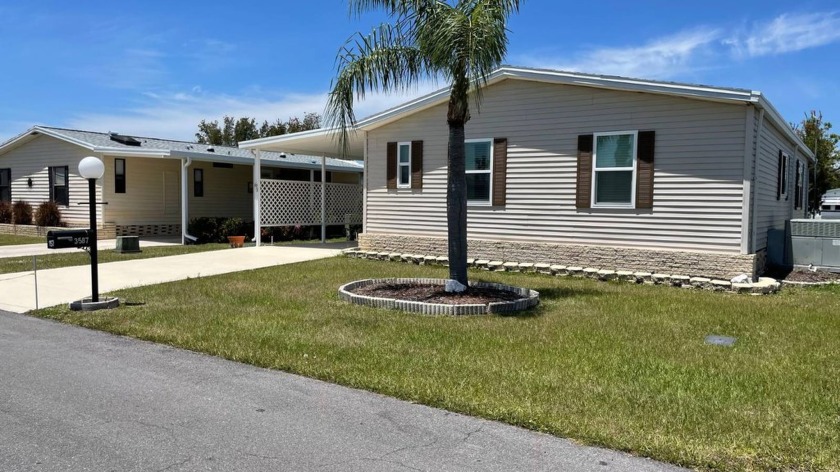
(103, 140)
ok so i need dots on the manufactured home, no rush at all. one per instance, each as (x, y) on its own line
(155, 186)
(584, 170)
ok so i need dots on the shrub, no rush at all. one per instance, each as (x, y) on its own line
(22, 213)
(5, 212)
(233, 227)
(206, 229)
(48, 214)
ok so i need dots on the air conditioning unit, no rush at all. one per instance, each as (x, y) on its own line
(815, 243)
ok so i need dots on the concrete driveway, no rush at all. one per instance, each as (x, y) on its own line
(72, 399)
(67, 284)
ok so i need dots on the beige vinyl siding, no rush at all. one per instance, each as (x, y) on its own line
(152, 186)
(33, 158)
(698, 184)
(772, 213)
(225, 191)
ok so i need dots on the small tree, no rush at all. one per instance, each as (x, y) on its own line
(6, 215)
(817, 135)
(461, 41)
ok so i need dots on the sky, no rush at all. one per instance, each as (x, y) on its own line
(157, 68)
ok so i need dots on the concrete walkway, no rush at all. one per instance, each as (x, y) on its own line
(73, 399)
(67, 284)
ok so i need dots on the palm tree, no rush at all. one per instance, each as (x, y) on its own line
(461, 42)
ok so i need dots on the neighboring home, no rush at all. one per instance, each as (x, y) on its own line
(584, 170)
(155, 186)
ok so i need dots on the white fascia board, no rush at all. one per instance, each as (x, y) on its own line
(440, 96)
(63, 137)
(122, 152)
(783, 126)
(631, 85)
(204, 157)
(261, 143)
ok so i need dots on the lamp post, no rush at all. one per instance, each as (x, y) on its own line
(92, 168)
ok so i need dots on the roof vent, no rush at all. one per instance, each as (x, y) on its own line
(283, 155)
(127, 140)
(211, 149)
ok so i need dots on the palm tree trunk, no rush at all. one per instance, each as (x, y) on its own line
(456, 204)
(456, 188)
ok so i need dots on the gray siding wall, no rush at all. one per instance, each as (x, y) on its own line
(771, 213)
(33, 159)
(698, 185)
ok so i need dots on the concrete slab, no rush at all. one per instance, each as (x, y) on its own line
(64, 285)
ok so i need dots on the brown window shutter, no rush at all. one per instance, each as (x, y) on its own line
(417, 164)
(391, 166)
(584, 171)
(779, 178)
(644, 169)
(499, 172)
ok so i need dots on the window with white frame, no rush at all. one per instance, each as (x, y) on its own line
(404, 165)
(59, 185)
(479, 170)
(614, 169)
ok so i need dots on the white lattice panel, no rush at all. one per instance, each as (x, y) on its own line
(288, 202)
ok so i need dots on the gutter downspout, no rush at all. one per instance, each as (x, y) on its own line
(754, 235)
(185, 210)
(257, 196)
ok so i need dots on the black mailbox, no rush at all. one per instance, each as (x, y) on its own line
(70, 238)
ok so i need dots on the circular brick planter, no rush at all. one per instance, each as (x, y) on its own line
(529, 298)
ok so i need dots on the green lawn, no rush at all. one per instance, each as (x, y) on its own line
(623, 366)
(14, 239)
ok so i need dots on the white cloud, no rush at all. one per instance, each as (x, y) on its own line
(787, 33)
(661, 58)
(176, 115)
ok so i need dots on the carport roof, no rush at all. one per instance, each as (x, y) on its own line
(105, 143)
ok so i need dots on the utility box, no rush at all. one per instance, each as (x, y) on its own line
(128, 244)
(77, 238)
(815, 243)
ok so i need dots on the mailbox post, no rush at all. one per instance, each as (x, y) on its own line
(91, 168)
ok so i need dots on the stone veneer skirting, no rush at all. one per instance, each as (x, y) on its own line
(691, 264)
(103, 232)
(149, 230)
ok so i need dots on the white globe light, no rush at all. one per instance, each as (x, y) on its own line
(91, 168)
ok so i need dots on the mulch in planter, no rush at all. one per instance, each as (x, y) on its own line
(802, 275)
(436, 294)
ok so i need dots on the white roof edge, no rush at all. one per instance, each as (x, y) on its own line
(780, 123)
(257, 143)
(132, 152)
(47, 132)
(701, 92)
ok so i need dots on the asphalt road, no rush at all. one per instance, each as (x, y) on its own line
(72, 399)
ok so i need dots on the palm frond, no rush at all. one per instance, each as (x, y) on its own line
(385, 60)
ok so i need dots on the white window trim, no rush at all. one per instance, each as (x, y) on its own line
(633, 168)
(489, 201)
(400, 164)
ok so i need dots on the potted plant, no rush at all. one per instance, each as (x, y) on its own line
(235, 231)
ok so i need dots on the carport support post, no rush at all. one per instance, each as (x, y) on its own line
(323, 198)
(257, 196)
